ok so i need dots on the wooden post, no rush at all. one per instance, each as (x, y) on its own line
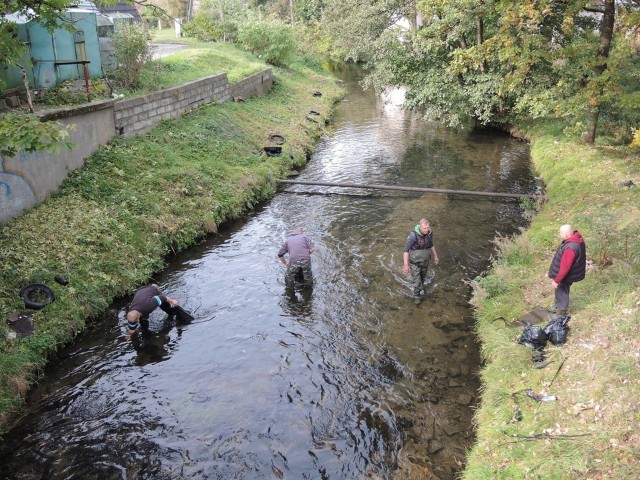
(86, 81)
(25, 80)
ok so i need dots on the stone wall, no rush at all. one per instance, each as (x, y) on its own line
(257, 84)
(141, 114)
(29, 178)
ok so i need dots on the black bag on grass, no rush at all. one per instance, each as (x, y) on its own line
(557, 330)
(533, 336)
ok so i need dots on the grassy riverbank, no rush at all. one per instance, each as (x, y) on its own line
(137, 200)
(591, 430)
(197, 60)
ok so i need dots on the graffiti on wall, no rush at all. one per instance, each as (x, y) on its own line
(16, 193)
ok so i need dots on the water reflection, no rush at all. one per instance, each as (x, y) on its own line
(297, 301)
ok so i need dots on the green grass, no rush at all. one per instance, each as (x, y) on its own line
(136, 200)
(168, 35)
(199, 60)
(598, 385)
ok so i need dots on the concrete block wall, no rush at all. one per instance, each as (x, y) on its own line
(29, 178)
(141, 114)
(257, 84)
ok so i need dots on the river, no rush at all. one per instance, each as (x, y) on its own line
(346, 380)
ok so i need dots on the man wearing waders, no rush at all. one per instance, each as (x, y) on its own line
(417, 254)
(299, 247)
(146, 300)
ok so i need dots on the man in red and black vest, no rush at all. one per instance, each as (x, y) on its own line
(568, 266)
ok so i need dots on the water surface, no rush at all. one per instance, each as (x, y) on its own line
(349, 379)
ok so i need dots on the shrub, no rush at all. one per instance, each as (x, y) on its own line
(132, 53)
(273, 41)
(207, 28)
(635, 143)
(73, 92)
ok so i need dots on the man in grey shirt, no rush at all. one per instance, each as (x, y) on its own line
(299, 247)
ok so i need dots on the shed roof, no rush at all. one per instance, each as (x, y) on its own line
(83, 6)
(17, 18)
(122, 7)
(80, 6)
(103, 21)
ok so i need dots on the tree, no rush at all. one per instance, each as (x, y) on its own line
(578, 61)
(606, 36)
(131, 52)
(483, 62)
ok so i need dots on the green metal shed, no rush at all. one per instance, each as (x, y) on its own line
(59, 55)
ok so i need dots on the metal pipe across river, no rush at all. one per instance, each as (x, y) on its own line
(413, 189)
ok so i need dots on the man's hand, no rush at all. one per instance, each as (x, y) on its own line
(405, 269)
(172, 301)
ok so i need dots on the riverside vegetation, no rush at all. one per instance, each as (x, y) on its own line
(591, 430)
(136, 200)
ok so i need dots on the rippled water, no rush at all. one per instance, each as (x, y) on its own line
(347, 380)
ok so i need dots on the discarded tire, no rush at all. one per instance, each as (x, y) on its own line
(273, 151)
(37, 296)
(276, 138)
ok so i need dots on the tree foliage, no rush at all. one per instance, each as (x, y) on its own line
(274, 41)
(218, 20)
(267, 36)
(20, 131)
(483, 62)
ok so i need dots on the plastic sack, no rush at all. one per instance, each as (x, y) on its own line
(557, 330)
(183, 315)
(533, 336)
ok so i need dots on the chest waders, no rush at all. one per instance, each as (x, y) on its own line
(419, 264)
(298, 271)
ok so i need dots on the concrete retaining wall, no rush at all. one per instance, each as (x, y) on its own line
(29, 178)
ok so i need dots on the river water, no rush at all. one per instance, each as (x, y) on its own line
(346, 380)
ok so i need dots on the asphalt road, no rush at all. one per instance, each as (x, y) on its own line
(164, 49)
